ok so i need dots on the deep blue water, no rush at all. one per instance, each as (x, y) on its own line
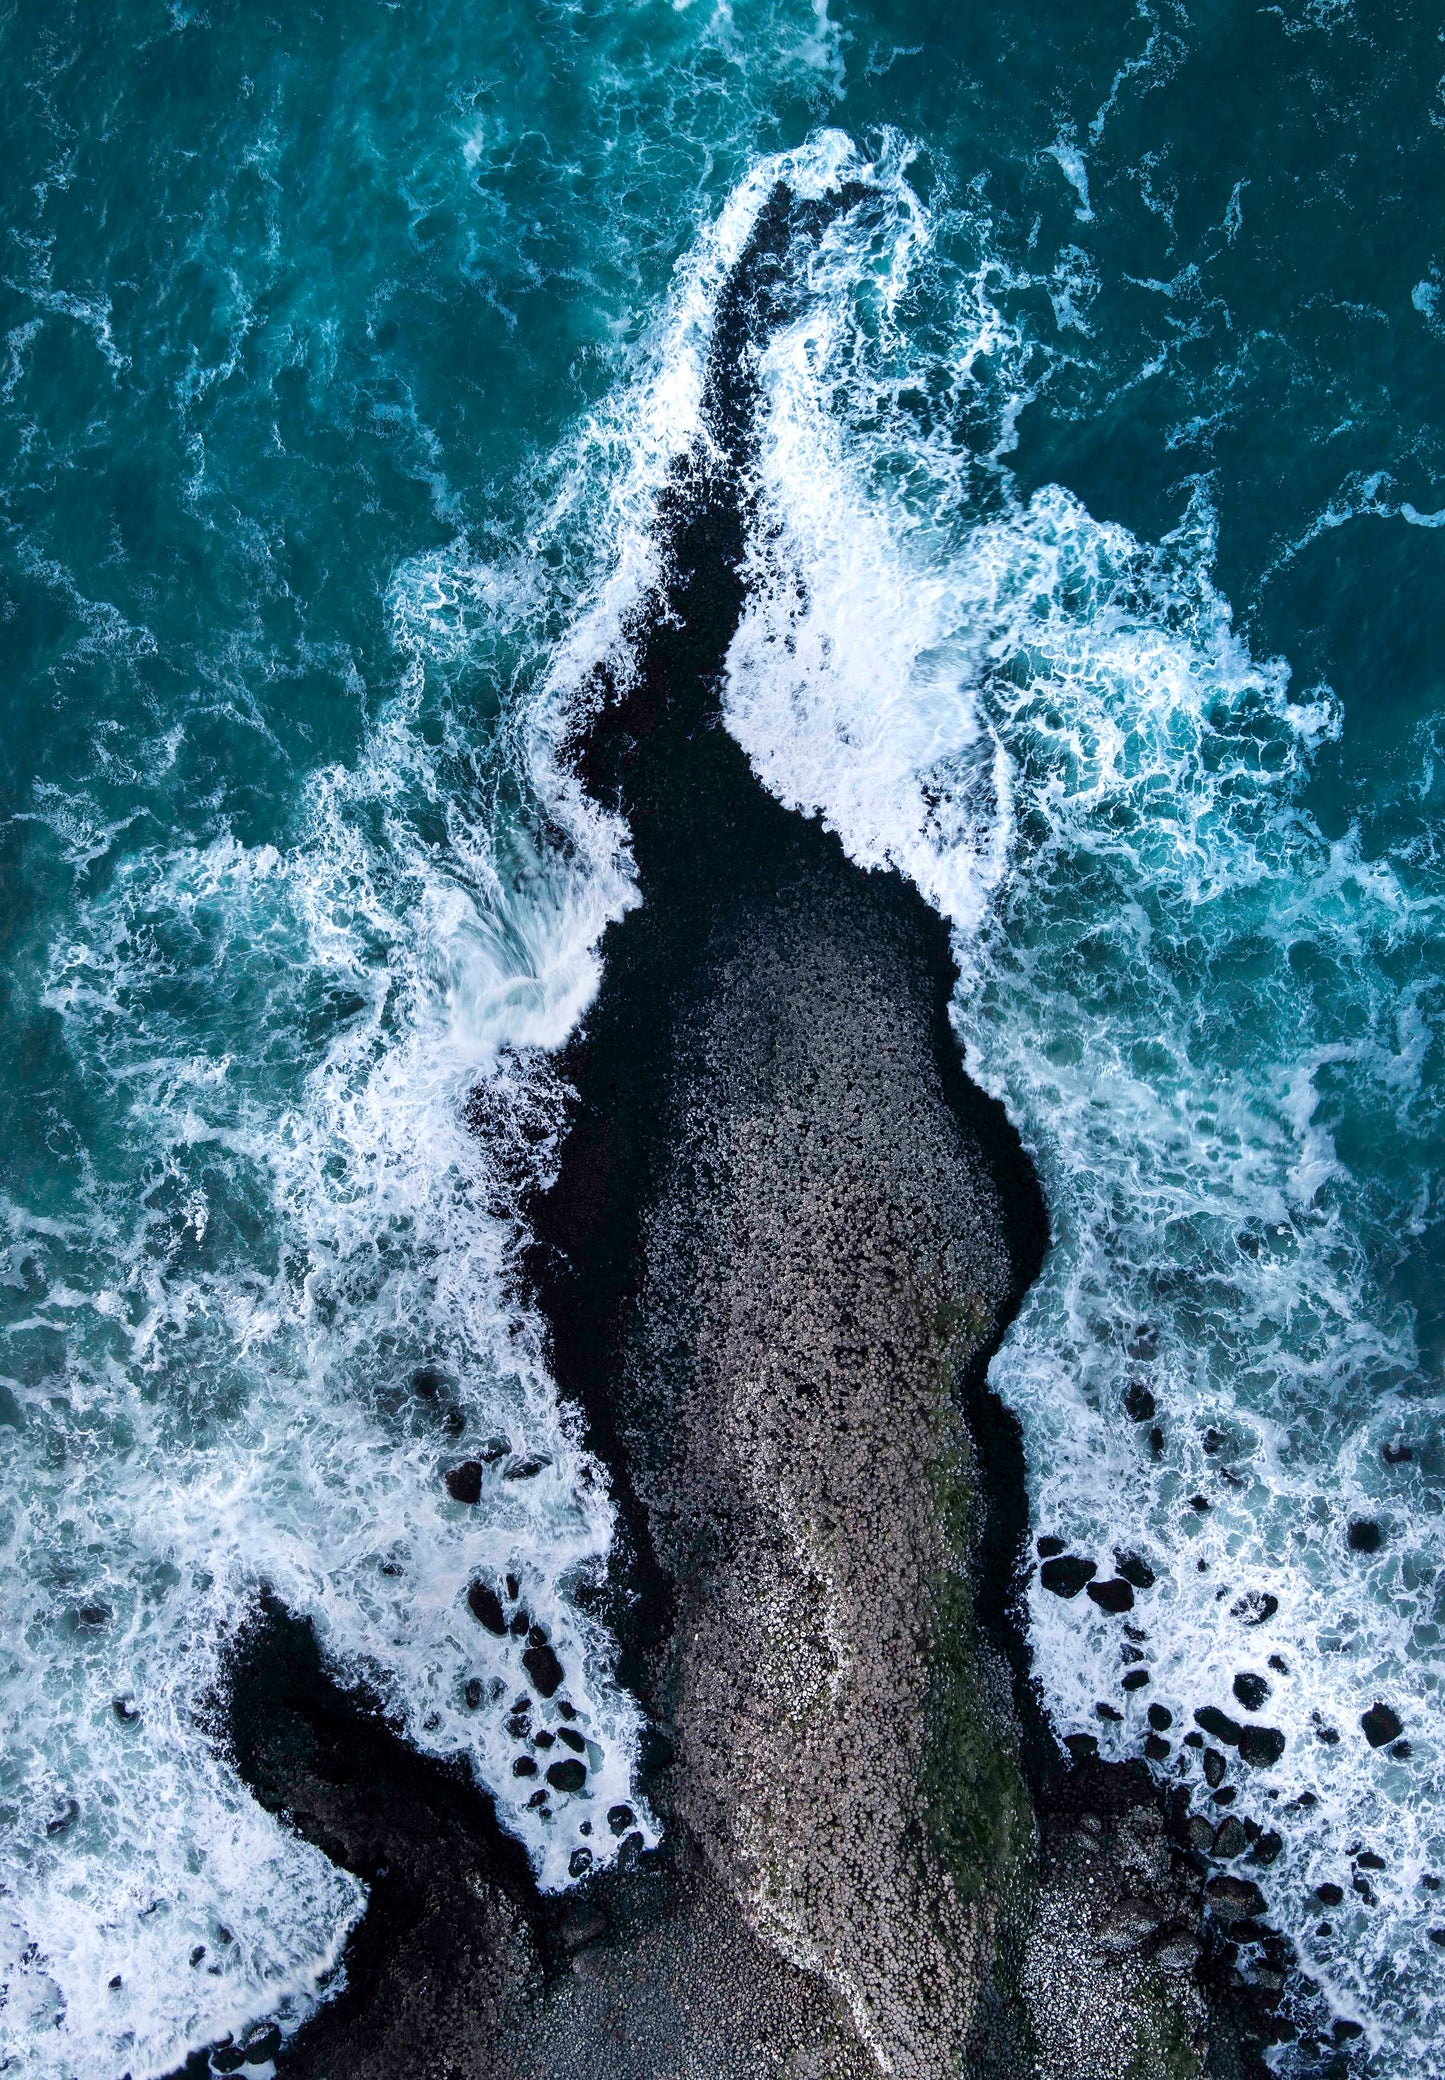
(1104, 592)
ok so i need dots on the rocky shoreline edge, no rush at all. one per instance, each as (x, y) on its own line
(786, 1236)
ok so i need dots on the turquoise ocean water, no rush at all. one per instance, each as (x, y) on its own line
(1103, 591)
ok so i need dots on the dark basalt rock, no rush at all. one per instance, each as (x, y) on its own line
(464, 1482)
(1066, 1576)
(1048, 1547)
(569, 1775)
(1251, 1691)
(1366, 1535)
(1214, 1766)
(1114, 1597)
(1132, 1568)
(1380, 1725)
(1137, 1679)
(1261, 1746)
(544, 1668)
(1219, 1724)
(1139, 1402)
(1234, 1899)
(1329, 1895)
(486, 1607)
(1230, 1840)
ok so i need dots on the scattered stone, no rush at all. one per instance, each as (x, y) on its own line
(521, 1623)
(464, 1482)
(619, 1819)
(1230, 1840)
(1365, 1535)
(570, 1738)
(579, 1863)
(524, 1766)
(1402, 1751)
(472, 1692)
(1108, 1711)
(1226, 1796)
(1115, 1597)
(1134, 1569)
(1200, 1503)
(1213, 1766)
(92, 1616)
(126, 1710)
(1437, 1935)
(494, 1449)
(1345, 2031)
(1278, 1663)
(544, 1668)
(569, 1775)
(1330, 1895)
(1066, 1576)
(486, 1607)
(526, 1469)
(1160, 1717)
(1081, 1746)
(1156, 1748)
(1156, 1441)
(263, 2045)
(1261, 1746)
(1194, 1740)
(1136, 1679)
(1369, 1861)
(64, 1819)
(1200, 1835)
(1048, 1547)
(1268, 1849)
(514, 1587)
(1251, 1691)
(1397, 1454)
(1380, 1725)
(1255, 1607)
(1215, 1722)
(544, 1739)
(1234, 1899)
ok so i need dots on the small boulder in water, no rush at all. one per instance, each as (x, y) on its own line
(619, 1818)
(1081, 1746)
(1251, 1691)
(1066, 1576)
(1114, 1597)
(1213, 1767)
(1215, 1722)
(1268, 1849)
(1138, 1402)
(464, 1482)
(1048, 1547)
(570, 1738)
(568, 1775)
(1397, 1454)
(1137, 1679)
(544, 1668)
(1381, 1725)
(1234, 1899)
(1132, 1569)
(1230, 1839)
(1261, 1746)
(1365, 1535)
(1160, 1717)
(486, 1607)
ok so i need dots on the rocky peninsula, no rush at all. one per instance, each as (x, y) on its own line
(786, 1235)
